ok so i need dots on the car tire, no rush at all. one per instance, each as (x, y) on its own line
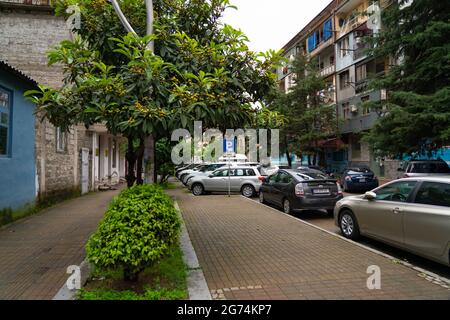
(261, 198)
(247, 190)
(348, 225)
(287, 206)
(197, 189)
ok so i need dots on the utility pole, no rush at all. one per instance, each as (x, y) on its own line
(149, 141)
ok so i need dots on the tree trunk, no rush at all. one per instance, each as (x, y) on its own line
(129, 275)
(140, 158)
(149, 159)
(131, 160)
(288, 155)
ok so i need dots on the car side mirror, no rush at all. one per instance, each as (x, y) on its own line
(369, 195)
(211, 176)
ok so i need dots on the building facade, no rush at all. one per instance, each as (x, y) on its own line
(82, 159)
(18, 185)
(335, 38)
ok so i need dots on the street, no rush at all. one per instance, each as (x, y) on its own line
(322, 220)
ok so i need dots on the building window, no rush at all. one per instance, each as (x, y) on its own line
(61, 140)
(365, 107)
(361, 72)
(344, 46)
(344, 79)
(5, 121)
(346, 112)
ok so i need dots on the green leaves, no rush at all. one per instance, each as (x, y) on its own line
(137, 231)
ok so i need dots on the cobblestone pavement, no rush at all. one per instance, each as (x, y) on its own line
(36, 251)
(250, 251)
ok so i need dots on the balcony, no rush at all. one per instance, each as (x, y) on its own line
(325, 72)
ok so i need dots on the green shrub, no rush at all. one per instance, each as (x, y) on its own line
(138, 229)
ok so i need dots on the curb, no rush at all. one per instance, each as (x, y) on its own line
(65, 293)
(196, 282)
(428, 275)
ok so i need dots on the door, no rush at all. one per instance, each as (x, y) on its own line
(427, 221)
(218, 181)
(237, 178)
(281, 187)
(268, 187)
(84, 170)
(383, 217)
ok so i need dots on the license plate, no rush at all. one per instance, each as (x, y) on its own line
(321, 191)
(362, 180)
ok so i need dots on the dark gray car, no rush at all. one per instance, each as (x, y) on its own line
(300, 189)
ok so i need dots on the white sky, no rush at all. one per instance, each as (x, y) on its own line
(270, 24)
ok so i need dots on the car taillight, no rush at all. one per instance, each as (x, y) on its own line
(299, 191)
(262, 178)
(339, 188)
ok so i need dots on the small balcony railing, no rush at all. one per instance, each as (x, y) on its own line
(327, 71)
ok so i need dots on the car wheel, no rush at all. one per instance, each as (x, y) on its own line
(261, 197)
(349, 225)
(287, 206)
(197, 189)
(248, 191)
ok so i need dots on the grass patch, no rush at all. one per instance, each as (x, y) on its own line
(166, 280)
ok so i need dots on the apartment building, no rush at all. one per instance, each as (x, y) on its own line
(335, 37)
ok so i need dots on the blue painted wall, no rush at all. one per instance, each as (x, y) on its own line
(18, 169)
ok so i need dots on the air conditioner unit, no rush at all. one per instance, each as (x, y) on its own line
(353, 108)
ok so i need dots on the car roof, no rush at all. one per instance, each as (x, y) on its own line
(437, 178)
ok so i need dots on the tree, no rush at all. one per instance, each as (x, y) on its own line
(200, 70)
(416, 116)
(309, 118)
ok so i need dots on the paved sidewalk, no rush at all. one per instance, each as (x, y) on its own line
(36, 251)
(250, 251)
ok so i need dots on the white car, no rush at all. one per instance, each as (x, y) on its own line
(241, 178)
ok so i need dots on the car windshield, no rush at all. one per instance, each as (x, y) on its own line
(430, 167)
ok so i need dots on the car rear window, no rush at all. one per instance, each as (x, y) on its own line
(434, 193)
(311, 176)
(429, 167)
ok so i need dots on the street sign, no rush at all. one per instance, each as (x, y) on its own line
(229, 146)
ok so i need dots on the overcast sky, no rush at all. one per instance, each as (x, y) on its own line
(270, 24)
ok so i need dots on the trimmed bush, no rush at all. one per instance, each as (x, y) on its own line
(138, 229)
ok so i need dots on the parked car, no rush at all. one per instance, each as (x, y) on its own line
(412, 214)
(241, 178)
(204, 171)
(187, 167)
(300, 189)
(358, 179)
(422, 168)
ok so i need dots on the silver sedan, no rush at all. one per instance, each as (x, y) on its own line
(412, 214)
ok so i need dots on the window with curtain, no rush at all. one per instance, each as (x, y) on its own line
(312, 43)
(327, 30)
(5, 123)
